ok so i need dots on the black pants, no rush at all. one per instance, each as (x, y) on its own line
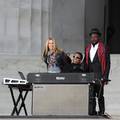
(96, 93)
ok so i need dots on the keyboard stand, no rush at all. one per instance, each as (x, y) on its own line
(21, 96)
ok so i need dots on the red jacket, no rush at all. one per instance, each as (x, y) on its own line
(101, 55)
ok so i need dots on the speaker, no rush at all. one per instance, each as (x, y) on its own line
(60, 99)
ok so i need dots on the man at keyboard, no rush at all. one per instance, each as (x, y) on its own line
(76, 65)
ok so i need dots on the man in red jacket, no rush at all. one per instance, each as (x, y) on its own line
(97, 60)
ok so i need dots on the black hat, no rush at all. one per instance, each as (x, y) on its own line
(95, 31)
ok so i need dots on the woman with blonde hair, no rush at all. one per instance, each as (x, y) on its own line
(54, 58)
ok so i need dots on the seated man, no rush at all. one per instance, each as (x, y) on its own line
(75, 65)
(77, 62)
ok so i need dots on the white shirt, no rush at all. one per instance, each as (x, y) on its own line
(93, 51)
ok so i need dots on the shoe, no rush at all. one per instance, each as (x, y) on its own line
(100, 113)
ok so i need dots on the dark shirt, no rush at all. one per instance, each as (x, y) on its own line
(73, 68)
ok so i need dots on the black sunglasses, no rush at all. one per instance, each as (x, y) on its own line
(76, 57)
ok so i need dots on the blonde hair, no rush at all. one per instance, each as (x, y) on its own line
(46, 48)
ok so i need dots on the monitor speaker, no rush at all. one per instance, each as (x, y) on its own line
(60, 99)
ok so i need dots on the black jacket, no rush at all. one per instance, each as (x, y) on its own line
(73, 68)
(61, 60)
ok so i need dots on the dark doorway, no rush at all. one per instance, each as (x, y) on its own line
(113, 34)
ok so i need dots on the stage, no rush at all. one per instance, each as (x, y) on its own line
(53, 117)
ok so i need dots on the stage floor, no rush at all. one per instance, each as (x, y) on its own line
(106, 116)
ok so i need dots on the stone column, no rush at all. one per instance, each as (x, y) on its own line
(46, 19)
(68, 18)
(24, 26)
(94, 16)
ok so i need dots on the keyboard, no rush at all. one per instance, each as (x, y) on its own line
(60, 78)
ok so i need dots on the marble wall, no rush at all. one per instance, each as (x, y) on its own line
(22, 23)
(112, 90)
(26, 24)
